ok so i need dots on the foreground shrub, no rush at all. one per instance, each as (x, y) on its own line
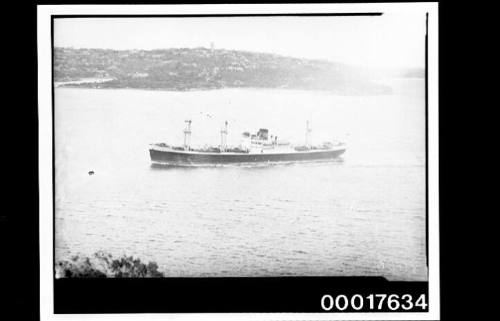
(102, 265)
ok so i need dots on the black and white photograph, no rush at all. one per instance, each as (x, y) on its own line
(236, 142)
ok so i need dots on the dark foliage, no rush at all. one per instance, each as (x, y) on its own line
(102, 265)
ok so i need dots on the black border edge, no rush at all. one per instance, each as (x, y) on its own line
(427, 140)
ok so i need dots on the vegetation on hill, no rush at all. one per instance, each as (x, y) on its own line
(201, 68)
(102, 265)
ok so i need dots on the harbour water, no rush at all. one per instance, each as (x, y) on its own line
(363, 214)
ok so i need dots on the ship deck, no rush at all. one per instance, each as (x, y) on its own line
(253, 151)
(168, 155)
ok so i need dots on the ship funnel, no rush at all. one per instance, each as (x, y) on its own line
(187, 134)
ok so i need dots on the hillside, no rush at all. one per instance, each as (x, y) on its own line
(201, 68)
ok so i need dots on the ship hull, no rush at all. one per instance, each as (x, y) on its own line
(173, 157)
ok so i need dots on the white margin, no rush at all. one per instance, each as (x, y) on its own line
(44, 13)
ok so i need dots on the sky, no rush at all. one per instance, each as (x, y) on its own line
(393, 40)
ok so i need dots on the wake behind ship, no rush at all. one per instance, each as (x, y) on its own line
(256, 148)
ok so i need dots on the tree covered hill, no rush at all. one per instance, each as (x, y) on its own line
(202, 68)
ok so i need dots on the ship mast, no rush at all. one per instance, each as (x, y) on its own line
(223, 138)
(308, 134)
(187, 134)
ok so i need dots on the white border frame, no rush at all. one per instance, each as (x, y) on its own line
(44, 13)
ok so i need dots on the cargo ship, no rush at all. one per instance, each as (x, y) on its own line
(254, 148)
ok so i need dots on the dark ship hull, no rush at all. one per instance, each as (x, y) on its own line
(179, 157)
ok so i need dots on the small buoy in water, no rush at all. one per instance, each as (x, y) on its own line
(91, 172)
